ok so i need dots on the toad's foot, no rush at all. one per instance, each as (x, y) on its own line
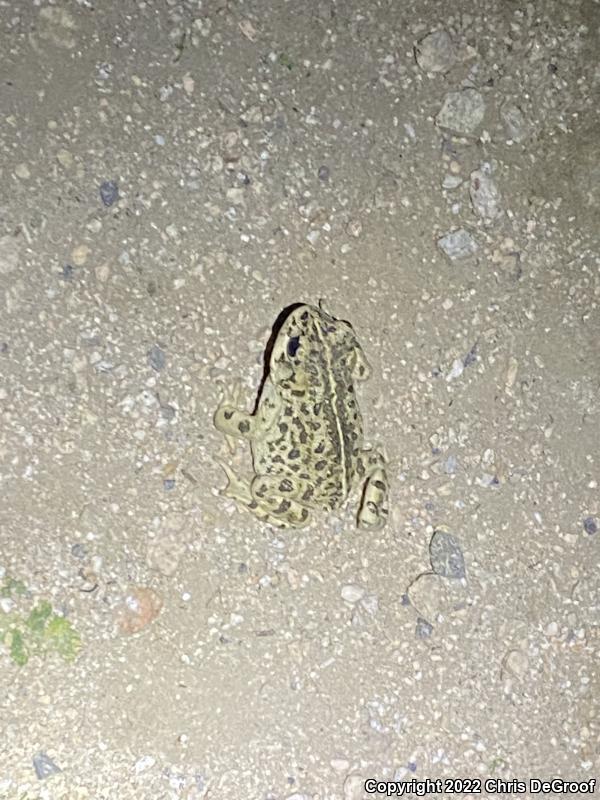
(373, 510)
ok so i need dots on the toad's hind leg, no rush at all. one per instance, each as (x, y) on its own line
(283, 498)
(373, 509)
(275, 513)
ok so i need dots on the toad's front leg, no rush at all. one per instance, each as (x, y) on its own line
(235, 423)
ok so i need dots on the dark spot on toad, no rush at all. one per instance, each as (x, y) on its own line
(293, 345)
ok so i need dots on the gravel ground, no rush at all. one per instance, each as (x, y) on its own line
(176, 173)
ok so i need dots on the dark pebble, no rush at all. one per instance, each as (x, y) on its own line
(44, 766)
(323, 173)
(423, 628)
(167, 412)
(446, 556)
(109, 192)
(169, 484)
(471, 356)
(156, 358)
(78, 550)
(590, 525)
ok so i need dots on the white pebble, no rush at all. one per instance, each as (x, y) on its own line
(352, 593)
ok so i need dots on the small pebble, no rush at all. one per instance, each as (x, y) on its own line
(340, 764)
(370, 603)
(471, 356)
(6, 605)
(354, 228)
(22, 171)
(590, 525)
(485, 196)
(79, 255)
(78, 550)
(64, 158)
(323, 173)
(516, 664)
(354, 787)
(138, 609)
(462, 111)
(94, 226)
(156, 358)
(511, 372)
(102, 272)
(514, 123)
(44, 766)
(423, 629)
(456, 370)
(109, 192)
(446, 556)
(168, 412)
(435, 52)
(352, 593)
(451, 182)
(458, 244)
(450, 465)
(144, 763)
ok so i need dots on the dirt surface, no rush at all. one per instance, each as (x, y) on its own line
(174, 174)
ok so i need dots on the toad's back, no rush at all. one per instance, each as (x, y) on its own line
(317, 433)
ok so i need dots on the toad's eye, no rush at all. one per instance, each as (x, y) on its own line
(293, 345)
